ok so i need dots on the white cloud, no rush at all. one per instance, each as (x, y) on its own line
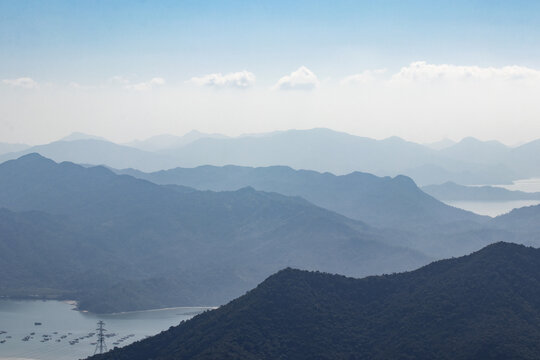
(364, 77)
(507, 110)
(146, 85)
(120, 80)
(139, 86)
(301, 79)
(24, 82)
(241, 79)
(422, 71)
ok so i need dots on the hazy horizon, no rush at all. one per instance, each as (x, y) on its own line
(420, 71)
(130, 141)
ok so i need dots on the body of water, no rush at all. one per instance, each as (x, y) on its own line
(496, 208)
(527, 185)
(68, 331)
(491, 208)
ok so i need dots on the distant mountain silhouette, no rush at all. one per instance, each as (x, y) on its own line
(97, 152)
(82, 136)
(524, 159)
(495, 158)
(468, 162)
(168, 142)
(379, 201)
(450, 191)
(441, 144)
(463, 173)
(315, 149)
(482, 306)
(161, 246)
(8, 148)
(525, 219)
(476, 151)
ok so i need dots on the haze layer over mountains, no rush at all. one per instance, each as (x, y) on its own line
(469, 161)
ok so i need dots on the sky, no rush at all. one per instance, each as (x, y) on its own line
(421, 70)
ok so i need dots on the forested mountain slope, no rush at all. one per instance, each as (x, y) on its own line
(482, 306)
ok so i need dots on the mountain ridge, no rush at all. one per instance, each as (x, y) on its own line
(379, 201)
(317, 149)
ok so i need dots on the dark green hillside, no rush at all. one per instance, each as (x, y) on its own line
(482, 306)
(26, 259)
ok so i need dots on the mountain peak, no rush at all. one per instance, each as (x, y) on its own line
(31, 158)
(81, 136)
(405, 180)
(441, 144)
(504, 249)
(194, 132)
(395, 139)
(470, 140)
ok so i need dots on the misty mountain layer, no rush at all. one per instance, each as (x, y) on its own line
(379, 201)
(140, 245)
(468, 162)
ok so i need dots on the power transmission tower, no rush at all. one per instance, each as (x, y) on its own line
(100, 346)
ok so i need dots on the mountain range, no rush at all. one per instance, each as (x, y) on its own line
(482, 306)
(379, 201)
(469, 161)
(131, 244)
(145, 246)
(97, 152)
(9, 148)
(396, 206)
(167, 142)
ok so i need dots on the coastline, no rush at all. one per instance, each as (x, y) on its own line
(74, 304)
(164, 309)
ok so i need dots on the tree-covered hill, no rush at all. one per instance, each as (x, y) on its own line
(482, 306)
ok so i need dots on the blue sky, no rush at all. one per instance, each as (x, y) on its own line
(422, 70)
(84, 40)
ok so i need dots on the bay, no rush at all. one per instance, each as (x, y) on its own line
(527, 185)
(62, 324)
(491, 208)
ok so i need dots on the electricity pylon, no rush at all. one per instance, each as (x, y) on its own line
(100, 345)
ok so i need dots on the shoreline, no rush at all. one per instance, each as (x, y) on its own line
(74, 304)
(162, 309)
